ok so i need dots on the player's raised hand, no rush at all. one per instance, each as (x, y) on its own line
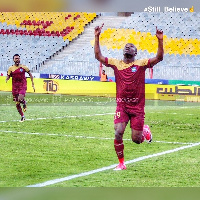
(97, 30)
(159, 34)
(33, 88)
(7, 78)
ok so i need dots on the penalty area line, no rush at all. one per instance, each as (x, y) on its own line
(62, 117)
(67, 178)
(86, 137)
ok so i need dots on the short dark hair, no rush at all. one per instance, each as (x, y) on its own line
(16, 55)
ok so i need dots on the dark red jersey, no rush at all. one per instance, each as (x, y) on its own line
(18, 77)
(130, 83)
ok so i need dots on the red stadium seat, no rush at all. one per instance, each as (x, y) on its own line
(38, 23)
(29, 22)
(25, 32)
(35, 33)
(12, 31)
(25, 22)
(45, 25)
(3, 31)
(30, 32)
(44, 34)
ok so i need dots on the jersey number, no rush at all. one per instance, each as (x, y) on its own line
(117, 115)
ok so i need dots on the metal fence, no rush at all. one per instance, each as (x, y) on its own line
(70, 67)
(190, 73)
(32, 64)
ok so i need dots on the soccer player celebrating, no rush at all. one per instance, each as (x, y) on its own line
(130, 92)
(19, 84)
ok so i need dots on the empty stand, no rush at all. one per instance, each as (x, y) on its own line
(40, 35)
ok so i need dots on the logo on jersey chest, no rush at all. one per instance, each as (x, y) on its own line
(133, 69)
(21, 70)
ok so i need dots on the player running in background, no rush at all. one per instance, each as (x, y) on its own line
(130, 92)
(19, 84)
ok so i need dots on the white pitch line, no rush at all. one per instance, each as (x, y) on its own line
(76, 116)
(67, 178)
(62, 117)
(87, 137)
(174, 142)
(171, 113)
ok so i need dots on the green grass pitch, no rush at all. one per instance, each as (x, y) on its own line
(67, 135)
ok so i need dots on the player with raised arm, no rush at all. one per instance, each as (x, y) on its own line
(19, 84)
(130, 92)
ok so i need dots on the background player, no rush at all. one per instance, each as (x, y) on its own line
(19, 83)
(103, 76)
(130, 92)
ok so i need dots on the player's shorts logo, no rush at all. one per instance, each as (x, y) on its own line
(133, 69)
